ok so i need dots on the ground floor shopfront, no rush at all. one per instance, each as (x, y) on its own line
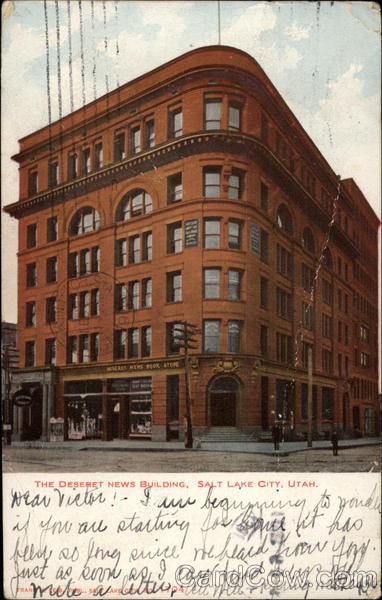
(146, 400)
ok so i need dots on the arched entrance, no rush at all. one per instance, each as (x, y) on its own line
(223, 400)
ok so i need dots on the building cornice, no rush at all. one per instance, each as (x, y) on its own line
(198, 143)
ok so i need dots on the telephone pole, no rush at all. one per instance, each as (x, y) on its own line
(186, 338)
(310, 397)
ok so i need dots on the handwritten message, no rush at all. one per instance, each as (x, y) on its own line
(174, 536)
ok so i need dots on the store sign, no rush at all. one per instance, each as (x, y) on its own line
(21, 399)
(145, 366)
(191, 233)
(255, 238)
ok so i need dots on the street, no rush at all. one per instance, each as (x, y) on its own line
(358, 459)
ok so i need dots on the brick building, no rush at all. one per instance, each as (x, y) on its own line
(192, 193)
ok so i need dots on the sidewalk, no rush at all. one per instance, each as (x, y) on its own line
(178, 446)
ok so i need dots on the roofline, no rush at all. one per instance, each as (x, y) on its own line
(367, 203)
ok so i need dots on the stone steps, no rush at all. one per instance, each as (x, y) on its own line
(224, 434)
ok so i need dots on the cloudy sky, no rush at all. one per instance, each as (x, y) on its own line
(324, 58)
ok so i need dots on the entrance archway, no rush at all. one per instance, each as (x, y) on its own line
(223, 399)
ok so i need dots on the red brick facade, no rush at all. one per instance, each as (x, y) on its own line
(192, 193)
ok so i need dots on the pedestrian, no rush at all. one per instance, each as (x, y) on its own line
(335, 443)
(276, 435)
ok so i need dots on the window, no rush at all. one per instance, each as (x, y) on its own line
(346, 269)
(339, 360)
(327, 292)
(339, 329)
(72, 349)
(31, 277)
(363, 333)
(174, 332)
(146, 341)
(211, 233)
(84, 221)
(264, 193)
(307, 278)
(346, 303)
(339, 266)
(84, 348)
(174, 286)
(307, 316)
(50, 351)
(175, 123)
(233, 344)
(85, 262)
(283, 304)
(234, 284)
(284, 348)
(284, 262)
(327, 326)
(264, 129)
(264, 243)
(51, 310)
(212, 114)
(135, 140)
(339, 299)
(51, 229)
(147, 246)
(346, 335)
(150, 134)
(305, 347)
(147, 293)
(133, 337)
(95, 302)
(174, 188)
(134, 204)
(133, 303)
(211, 336)
(30, 352)
(234, 118)
(85, 167)
(346, 366)
(134, 249)
(211, 283)
(120, 297)
(96, 255)
(72, 166)
(235, 184)
(327, 260)
(307, 240)
(365, 360)
(234, 235)
(119, 146)
(263, 292)
(53, 174)
(98, 156)
(84, 305)
(73, 265)
(264, 341)
(31, 235)
(32, 182)
(120, 344)
(284, 220)
(211, 182)
(73, 306)
(121, 253)
(174, 238)
(30, 314)
(94, 346)
(51, 269)
(327, 403)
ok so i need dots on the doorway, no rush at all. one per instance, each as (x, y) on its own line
(223, 402)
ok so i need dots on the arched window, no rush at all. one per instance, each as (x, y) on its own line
(134, 204)
(327, 259)
(84, 221)
(284, 219)
(307, 240)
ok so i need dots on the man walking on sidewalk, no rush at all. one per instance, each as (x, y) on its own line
(276, 430)
(335, 443)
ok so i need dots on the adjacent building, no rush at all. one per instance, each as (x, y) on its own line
(192, 193)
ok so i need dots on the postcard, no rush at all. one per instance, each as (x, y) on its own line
(190, 331)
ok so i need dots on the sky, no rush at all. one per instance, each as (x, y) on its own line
(323, 57)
